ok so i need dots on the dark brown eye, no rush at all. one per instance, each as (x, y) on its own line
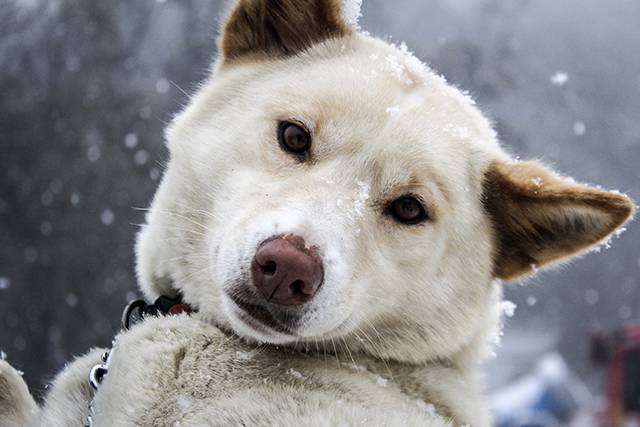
(294, 138)
(407, 210)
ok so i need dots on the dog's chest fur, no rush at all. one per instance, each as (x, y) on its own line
(180, 371)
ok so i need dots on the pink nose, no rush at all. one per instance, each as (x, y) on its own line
(286, 272)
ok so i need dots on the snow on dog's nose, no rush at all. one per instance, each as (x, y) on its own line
(286, 272)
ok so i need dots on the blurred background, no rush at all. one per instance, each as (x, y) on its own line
(88, 86)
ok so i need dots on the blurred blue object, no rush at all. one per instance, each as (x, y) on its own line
(550, 396)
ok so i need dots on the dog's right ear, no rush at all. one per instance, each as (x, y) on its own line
(278, 28)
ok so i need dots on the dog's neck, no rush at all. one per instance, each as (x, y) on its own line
(453, 387)
(439, 381)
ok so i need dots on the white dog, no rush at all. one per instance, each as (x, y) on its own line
(329, 194)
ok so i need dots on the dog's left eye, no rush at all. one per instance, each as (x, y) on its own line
(294, 138)
(407, 210)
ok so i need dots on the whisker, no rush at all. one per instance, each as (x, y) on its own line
(186, 218)
(196, 257)
(173, 228)
(346, 347)
(179, 88)
(335, 351)
(190, 275)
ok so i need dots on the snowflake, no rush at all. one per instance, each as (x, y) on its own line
(352, 10)
(559, 79)
(508, 308)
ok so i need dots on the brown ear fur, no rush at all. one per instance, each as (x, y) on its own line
(541, 219)
(280, 27)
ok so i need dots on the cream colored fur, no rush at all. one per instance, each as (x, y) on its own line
(192, 374)
(17, 406)
(406, 314)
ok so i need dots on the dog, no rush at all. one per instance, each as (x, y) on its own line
(328, 194)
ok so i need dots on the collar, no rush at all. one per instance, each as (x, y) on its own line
(138, 310)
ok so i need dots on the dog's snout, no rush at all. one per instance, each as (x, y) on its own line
(286, 272)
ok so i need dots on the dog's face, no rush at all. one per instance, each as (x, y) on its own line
(353, 173)
(326, 187)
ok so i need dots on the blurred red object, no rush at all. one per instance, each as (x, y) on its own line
(620, 352)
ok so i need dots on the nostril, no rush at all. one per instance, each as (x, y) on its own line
(297, 287)
(268, 268)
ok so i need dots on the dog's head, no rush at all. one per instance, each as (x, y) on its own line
(327, 187)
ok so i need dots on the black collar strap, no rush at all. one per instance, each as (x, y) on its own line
(138, 309)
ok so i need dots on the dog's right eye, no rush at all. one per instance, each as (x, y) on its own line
(294, 139)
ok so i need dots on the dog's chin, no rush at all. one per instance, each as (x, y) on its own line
(251, 317)
(252, 330)
(255, 322)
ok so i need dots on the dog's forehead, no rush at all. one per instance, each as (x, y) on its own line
(363, 99)
(365, 80)
(378, 101)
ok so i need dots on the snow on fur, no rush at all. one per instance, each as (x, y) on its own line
(352, 10)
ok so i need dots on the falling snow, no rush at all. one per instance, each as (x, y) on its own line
(592, 296)
(46, 228)
(579, 128)
(559, 79)
(154, 174)
(141, 157)
(107, 217)
(92, 143)
(71, 299)
(74, 199)
(625, 312)
(46, 198)
(93, 153)
(131, 140)
(162, 86)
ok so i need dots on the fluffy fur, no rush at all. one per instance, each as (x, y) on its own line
(17, 406)
(417, 306)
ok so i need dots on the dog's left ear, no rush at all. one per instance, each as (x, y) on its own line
(540, 219)
(277, 28)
